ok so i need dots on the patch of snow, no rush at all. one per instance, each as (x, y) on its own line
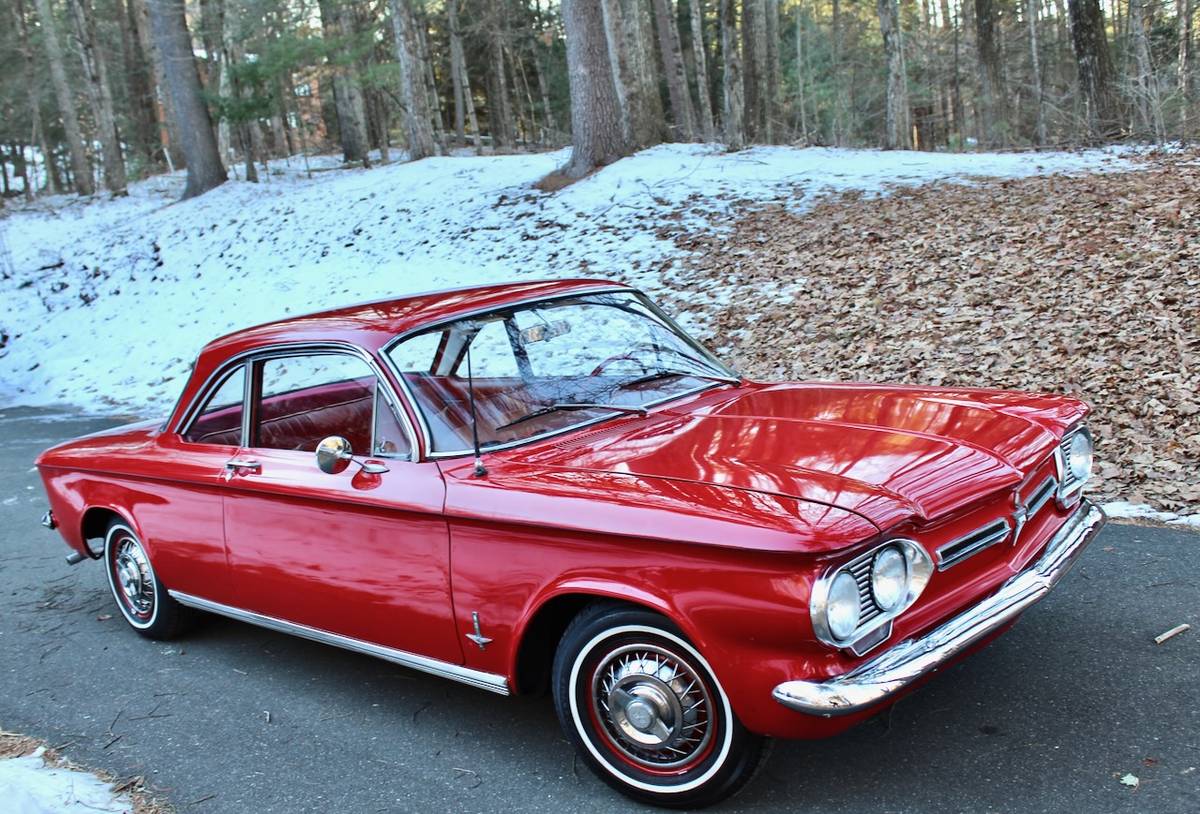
(29, 785)
(111, 299)
(1143, 511)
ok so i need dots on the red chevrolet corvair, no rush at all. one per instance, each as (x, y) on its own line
(551, 484)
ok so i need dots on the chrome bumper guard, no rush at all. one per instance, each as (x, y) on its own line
(880, 678)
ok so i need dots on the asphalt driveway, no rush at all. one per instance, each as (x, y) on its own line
(238, 719)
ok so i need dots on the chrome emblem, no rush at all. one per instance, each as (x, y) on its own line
(1020, 514)
(477, 636)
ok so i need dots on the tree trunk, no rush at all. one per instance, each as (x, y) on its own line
(801, 77)
(166, 131)
(95, 74)
(732, 85)
(754, 54)
(216, 63)
(80, 168)
(32, 88)
(456, 72)
(139, 86)
(628, 33)
(771, 101)
(992, 107)
(707, 126)
(898, 134)
(841, 107)
(1035, 66)
(464, 102)
(416, 113)
(337, 22)
(673, 67)
(1145, 83)
(247, 130)
(1183, 17)
(1094, 65)
(433, 102)
(596, 133)
(500, 116)
(538, 46)
(171, 37)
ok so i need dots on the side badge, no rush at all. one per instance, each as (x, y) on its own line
(477, 636)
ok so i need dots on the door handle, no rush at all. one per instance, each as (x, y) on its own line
(240, 464)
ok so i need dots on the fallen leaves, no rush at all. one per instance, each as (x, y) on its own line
(1087, 285)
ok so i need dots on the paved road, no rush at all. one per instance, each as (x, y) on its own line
(238, 719)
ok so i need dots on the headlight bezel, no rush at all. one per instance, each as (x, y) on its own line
(1071, 483)
(877, 628)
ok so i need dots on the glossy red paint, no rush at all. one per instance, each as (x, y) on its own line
(719, 510)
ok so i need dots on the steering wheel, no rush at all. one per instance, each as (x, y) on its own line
(624, 357)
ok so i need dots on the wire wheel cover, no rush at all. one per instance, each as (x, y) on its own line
(133, 578)
(652, 708)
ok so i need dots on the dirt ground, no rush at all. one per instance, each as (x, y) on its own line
(1083, 285)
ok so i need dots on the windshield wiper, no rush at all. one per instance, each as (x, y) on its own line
(571, 405)
(662, 374)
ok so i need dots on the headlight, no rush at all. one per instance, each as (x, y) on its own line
(889, 578)
(842, 613)
(1079, 455)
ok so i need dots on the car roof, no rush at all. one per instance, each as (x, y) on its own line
(372, 325)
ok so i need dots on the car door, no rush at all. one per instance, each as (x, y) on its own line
(365, 556)
(181, 514)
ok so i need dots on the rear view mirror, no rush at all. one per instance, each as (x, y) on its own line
(333, 455)
(542, 332)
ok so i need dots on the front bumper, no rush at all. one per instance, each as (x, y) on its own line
(884, 676)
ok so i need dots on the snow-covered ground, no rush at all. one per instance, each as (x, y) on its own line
(109, 301)
(30, 785)
(1124, 510)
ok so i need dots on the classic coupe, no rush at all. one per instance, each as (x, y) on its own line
(551, 486)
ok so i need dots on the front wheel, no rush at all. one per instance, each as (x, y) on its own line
(646, 713)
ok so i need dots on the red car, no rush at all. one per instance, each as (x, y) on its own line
(551, 485)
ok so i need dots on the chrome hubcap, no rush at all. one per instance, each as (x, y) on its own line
(134, 578)
(654, 708)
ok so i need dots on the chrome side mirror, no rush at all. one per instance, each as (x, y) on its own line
(334, 455)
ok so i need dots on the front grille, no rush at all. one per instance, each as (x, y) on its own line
(860, 569)
(1068, 477)
(1041, 496)
(955, 552)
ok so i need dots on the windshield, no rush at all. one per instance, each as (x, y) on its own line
(543, 367)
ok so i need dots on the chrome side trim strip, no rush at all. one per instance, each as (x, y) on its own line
(878, 680)
(476, 678)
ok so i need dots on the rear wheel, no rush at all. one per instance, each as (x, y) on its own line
(141, 598)
(646, 713)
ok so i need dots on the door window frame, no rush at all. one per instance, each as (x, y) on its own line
(253, 359)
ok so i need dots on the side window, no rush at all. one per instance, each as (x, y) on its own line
(390, 438)
(304, 399)
(220, 420)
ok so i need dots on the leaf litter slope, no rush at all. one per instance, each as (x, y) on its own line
(1088, 285)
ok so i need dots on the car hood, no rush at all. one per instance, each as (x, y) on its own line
(889, 454)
